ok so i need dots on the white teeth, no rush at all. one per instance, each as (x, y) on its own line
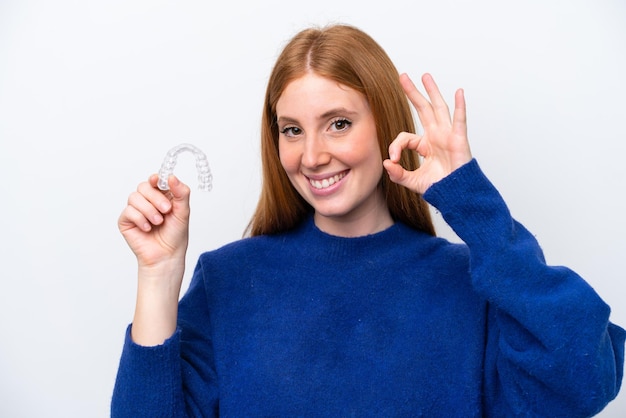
(323, 184)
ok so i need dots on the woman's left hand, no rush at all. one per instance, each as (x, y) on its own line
(443, 145)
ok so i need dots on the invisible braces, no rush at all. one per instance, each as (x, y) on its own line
(202, 164)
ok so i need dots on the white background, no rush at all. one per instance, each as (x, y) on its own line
(94, 93)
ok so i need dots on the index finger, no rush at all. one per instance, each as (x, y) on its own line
(424, 108)
(159, 199)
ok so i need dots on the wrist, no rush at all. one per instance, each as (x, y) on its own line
(156, 310)
(166, 269)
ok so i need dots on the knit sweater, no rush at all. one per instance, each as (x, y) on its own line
(394, 324)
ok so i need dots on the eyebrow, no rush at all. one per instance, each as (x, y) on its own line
(339, 111)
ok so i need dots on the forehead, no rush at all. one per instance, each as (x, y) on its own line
(314, 93)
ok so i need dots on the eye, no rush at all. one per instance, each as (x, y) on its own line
(291, 131)
(340, 124)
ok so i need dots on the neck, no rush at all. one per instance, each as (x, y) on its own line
(356, 225)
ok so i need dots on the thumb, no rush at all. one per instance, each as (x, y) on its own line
(179, 192)
(396, 172)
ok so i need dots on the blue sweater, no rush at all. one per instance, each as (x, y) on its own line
(394, 324)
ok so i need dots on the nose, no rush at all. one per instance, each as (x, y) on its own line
(315, 153)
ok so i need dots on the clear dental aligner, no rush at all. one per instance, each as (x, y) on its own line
(205, 177)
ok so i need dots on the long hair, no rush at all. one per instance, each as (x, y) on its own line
(350, 57)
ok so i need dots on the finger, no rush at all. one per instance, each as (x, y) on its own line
(422, 105)
(439, 105)
(400, 175)
(180, 191)
(405, 140)
(155, 196)
(394, 170)
(138, 202)
(179, 194)
(154, 180)
(131, 218)
(459, 118)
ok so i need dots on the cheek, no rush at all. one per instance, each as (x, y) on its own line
(373, 162)
(368, 152)
(288, 158)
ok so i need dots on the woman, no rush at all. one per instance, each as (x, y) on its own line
(342, 302)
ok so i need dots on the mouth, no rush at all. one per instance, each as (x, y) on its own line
(324, 183)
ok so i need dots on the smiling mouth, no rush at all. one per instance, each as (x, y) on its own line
(325, 183)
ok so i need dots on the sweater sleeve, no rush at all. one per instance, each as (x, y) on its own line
(551, 350)
(175, 379)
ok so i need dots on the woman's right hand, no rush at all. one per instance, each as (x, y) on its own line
(156, 224)
(156, 227)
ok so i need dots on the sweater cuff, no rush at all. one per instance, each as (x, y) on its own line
(470, 204)
(148, 378)
(150, 363)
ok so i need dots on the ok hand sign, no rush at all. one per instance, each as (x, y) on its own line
(443, 145)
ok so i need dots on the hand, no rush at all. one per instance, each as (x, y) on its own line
(156, 227)
(155, 224)
(444, 145)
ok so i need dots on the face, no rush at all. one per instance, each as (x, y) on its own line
(329, 149)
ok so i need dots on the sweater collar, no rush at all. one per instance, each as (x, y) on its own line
(319, 244)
